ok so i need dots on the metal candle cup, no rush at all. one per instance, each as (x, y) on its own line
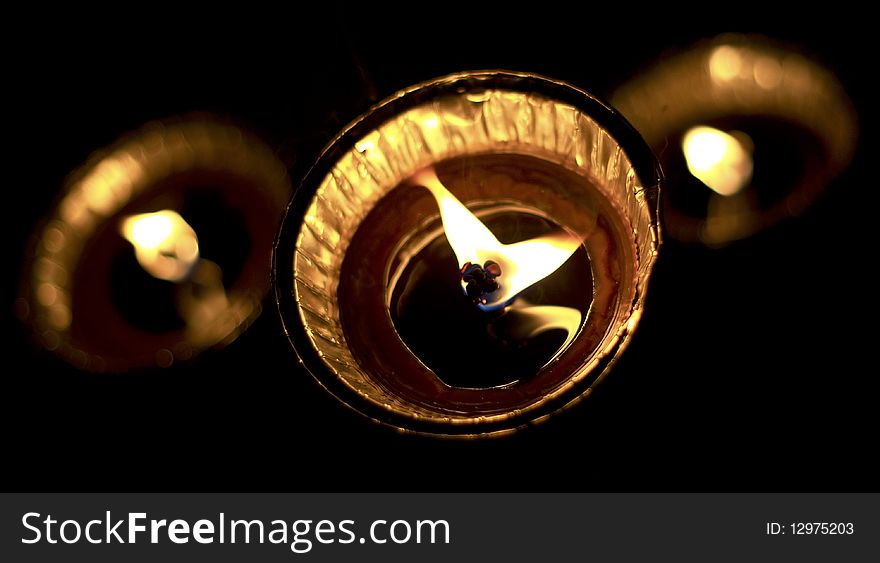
(526, 155)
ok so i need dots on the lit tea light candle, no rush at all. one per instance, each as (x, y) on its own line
(153, 253)
(471, 255)
(763, 129)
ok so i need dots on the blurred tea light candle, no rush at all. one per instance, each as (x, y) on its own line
(762, 129)
(157, 249)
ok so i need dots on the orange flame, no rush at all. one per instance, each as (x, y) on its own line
(533, 320)
(522, 264)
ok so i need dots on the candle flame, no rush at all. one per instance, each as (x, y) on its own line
(717, 159)
(532, 320)
(164, 244)
(522, 264)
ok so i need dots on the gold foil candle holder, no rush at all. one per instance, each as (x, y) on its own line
(520, 152)
(158, 247)
(748, 132)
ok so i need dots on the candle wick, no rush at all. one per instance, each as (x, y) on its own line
(480, 280)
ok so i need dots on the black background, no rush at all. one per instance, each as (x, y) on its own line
(752, 369)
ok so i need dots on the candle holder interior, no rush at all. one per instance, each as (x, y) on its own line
(370, 292)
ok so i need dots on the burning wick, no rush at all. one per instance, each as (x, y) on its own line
(718, 159)
(164, 244)
(523, 263)
(723, 162)
(506, 271)
(167, 248)
(480, 281)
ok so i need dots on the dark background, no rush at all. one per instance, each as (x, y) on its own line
(752, 369)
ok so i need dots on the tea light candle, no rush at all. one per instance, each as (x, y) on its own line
(153, 252)
(780, 127)
(471, 255)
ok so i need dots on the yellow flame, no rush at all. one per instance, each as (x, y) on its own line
(522, 264)
(164, 243)
(535, 319)
(717, 159)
